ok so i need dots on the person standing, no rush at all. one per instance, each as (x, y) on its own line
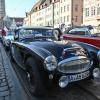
(3, 32)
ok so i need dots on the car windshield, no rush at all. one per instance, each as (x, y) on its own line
(84, 31)
(38, 33)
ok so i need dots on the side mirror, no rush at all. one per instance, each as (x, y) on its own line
(56, 33)
(16, 37)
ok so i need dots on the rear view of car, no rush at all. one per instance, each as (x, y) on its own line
(82, 34)
(7, 39)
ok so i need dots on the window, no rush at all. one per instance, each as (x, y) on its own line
(68, 7)
(92, 10)
(64, 8)
(61, 9)
(61, 19)
(64, 19)
(76, 18)
(57, 12)
(57, 21)
(86, 12)
(98, 9)
(68, 18)
(76, 7)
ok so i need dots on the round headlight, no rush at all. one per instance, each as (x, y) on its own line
(98, 55)
(50, 63)
(96, 72)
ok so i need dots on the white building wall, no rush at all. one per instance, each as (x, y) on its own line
(55, 14)
(49, 15)
(65, 12)
(91, 19)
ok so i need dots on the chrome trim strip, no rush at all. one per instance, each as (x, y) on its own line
(70, 49)
(71, 59)
(98, 55)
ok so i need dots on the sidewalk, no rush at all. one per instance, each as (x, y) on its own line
(10, 87)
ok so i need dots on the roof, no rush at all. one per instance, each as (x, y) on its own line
(40, 2)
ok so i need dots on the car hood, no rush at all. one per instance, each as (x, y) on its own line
(56, 48)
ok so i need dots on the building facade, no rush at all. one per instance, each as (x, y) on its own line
(91, 13)
(2, 8)
(56, 13)
(2, 12)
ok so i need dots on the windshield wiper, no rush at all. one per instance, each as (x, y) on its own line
(43, 37)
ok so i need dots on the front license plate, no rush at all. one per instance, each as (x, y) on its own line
(78, 76)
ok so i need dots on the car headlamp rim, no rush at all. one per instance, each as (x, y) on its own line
(50, 63)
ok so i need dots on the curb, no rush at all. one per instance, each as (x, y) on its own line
(15, 90)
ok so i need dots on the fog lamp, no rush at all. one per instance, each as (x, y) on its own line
(96, 72)
(63, 81)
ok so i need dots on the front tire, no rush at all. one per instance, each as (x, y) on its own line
(34, 79)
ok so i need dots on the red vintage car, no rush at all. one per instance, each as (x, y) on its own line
(82, 34)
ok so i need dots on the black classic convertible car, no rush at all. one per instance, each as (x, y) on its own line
(47, 59)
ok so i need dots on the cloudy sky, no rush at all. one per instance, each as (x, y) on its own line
(17, 8)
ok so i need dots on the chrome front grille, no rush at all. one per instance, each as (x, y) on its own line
(74, 65)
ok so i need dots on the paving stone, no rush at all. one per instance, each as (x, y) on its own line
(4, 93)
(3, 77)
(4, 88)
(3, 84)
(4, 80)
(2, 98)
(8, 98)
(1, 70)
(2, 74)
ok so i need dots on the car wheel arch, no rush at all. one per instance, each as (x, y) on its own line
(44, 74)
(27, 56)
(37, 72)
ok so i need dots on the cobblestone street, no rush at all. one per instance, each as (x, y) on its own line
(5, 89)
(10, 87)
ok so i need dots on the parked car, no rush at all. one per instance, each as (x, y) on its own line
(83, 34)
(46, 59)
(8, 39)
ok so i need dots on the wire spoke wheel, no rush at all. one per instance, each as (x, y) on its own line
(31, 81)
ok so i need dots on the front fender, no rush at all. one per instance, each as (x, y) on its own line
(38, 52)
(92, 51)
